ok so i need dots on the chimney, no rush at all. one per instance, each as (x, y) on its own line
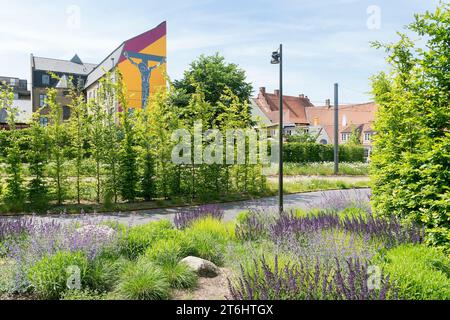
(328, 103)
(277, 93)
(302, 96)
(262, 90)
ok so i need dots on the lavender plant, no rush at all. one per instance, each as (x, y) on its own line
(185, 218)
(302, 281)
(45, 238)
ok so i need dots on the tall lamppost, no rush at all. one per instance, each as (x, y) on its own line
(277, 58)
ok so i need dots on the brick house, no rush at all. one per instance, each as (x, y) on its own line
(301, 114)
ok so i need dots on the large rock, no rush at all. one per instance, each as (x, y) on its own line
(203, 268)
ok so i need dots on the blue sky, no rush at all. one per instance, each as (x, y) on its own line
(325, 41)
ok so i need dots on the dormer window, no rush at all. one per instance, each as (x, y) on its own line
(345, 136)
(367, 137)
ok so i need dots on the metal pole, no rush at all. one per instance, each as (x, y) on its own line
(336, 128)
(281, 173)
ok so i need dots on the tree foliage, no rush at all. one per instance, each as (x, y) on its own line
(212, 75)
(410, 163)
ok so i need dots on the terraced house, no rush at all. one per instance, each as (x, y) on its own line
(301, 115)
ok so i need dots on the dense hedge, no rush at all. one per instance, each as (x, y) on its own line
(305, 152)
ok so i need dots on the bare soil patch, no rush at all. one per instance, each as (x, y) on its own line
(208, 288)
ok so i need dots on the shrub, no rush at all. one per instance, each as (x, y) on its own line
(104, 273)
(49, 277)
(186, 218)
(307, 152)
(419, 272)
(204, 245)
(83, 295)
(207, 239)
(167, 254)
(180, 275)
(250, 226)
(144, 280)
(299, 281)
(139, 238)
(222, 232)
(410, 160)
(7, 276)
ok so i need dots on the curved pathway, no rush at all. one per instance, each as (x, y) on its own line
(232, 209)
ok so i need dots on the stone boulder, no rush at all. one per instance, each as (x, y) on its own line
(204, 268)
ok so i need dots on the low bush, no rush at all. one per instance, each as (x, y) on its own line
(180, 275)
(138, 239)
(185, 218)
(143, 280)
(104, 273)
(298, 281)
(166, 251)
(306, 152)
(83, 295)
(207, 239)
(419, 272)
(7, 276)
(50, 276)
(167, 254)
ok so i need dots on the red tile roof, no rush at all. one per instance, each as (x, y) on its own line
(357, 114)
(294, 107)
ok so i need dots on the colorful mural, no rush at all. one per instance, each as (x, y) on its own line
(143, 65)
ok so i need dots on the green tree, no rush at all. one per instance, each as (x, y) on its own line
(78, 132)
(58, 143)
(410, 163)
(146, 156)
(37, 152)
(213, 75)
(14, 197)
(128, 154)
(108, 102)
(96, 148)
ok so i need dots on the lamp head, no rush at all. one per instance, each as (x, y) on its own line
(275, 57)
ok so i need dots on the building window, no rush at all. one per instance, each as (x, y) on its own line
(66, 113)
(345, 136)
(81, 83)
(45, 79)
(42, 99)
(3, 116)
(43, 121)
(367, 137)
(13, 82)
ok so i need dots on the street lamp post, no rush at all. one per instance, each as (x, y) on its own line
(277, 58)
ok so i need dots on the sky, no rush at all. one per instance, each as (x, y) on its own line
(324, 41)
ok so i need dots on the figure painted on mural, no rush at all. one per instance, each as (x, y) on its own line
(145, 70)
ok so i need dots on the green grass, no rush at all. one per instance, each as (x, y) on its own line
(322, 169)
(419, 272)
(315, 185)
(144, 280)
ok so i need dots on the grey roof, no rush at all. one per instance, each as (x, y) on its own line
(105, 66)
(76, 59)
(62, 66)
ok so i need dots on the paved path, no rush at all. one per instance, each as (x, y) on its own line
(232, 209)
